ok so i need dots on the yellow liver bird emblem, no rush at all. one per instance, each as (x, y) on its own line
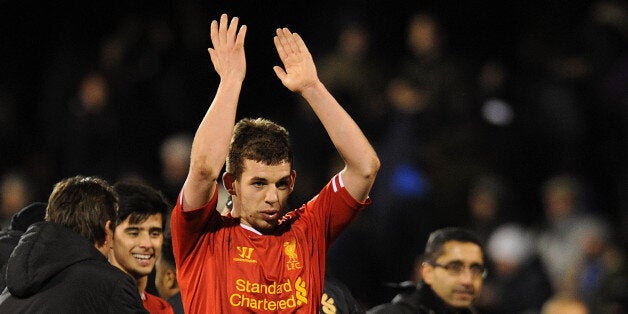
(290, 248)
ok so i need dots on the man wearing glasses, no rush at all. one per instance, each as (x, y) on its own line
(452, 273)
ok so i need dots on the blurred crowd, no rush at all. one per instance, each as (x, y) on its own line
(522, 137)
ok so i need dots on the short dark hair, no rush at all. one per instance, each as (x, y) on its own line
(258, 139)
(438, 238)
(84, 205)
(138, 201)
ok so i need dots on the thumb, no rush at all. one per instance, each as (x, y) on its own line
(212, 56)
(279, 72)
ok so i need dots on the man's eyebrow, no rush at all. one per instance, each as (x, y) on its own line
(132, 228)
(254, 179)
(286, 178)
(455, 261)
(462, 262)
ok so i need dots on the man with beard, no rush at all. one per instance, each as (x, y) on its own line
(452, 273)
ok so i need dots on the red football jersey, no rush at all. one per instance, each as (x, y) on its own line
(156, 305)
(224, 267)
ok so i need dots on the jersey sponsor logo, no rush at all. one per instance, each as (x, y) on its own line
(269, 297)
(301, 291)
(327, 304)
(290, 248)
(244, 253)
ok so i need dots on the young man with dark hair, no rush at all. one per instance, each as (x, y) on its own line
(256, 259)
(60, 265)
(452, 273)
(138, 237)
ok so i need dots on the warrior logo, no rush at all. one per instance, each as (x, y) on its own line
(244, 254)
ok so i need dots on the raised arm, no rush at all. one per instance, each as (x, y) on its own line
(211, 141)
(299, 75)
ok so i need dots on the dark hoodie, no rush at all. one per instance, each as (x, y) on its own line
(9, 238)
(55, 270)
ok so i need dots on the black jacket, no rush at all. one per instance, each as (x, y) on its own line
(176, 303)
(423, 300)
(34, 212)
(337, 298)
(55, 270)
(8, 241)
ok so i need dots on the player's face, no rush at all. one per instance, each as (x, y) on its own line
(137, 246)
(262, 193)
(458, 289)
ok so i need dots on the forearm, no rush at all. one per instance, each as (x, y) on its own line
(211, 144)
(361, 161)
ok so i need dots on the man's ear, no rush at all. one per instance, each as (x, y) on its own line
(108, 235)
(227, 181)
(293, 177)
(427, 273)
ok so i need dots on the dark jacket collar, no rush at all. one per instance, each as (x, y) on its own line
(424, 300)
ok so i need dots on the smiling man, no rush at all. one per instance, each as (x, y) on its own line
(257, 258)
(138, 237)
(452, 274)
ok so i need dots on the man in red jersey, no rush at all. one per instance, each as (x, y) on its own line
(255, 259)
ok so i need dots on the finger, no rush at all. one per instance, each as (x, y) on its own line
(222, 30)
(283, 38)
(280, 51)
(233, 26)
(290, 40)
(241, 36)
(213, 33)
(300, 43)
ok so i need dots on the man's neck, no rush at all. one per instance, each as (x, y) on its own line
(141, 284)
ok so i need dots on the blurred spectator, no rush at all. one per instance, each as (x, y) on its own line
(352, 72)
(489, 204)
(601, 277)
(87, 141)
(517, 282)
(564, 305)
(136, 57)
(431, 69)
(431, 83)
(567, 224)
(498, 121)
(15, 193)
(174, 155)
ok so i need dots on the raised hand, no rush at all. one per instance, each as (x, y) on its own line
(227, 53)
(299, 71)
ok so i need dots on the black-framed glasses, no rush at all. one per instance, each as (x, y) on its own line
(456, 268)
